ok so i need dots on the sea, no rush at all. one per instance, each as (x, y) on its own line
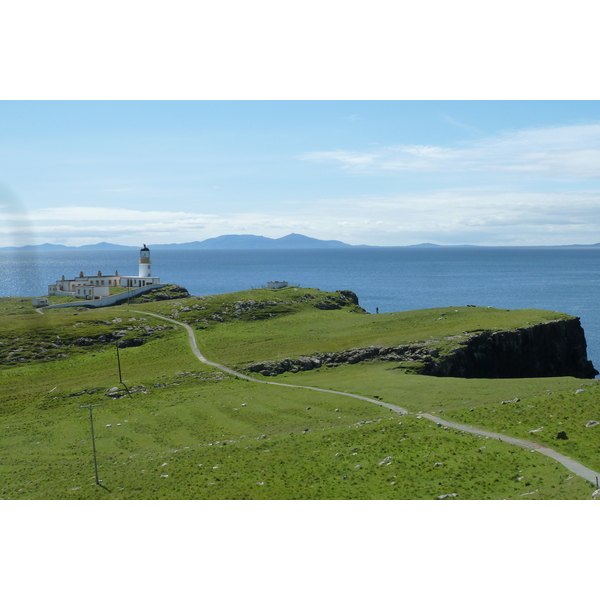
(563, 279)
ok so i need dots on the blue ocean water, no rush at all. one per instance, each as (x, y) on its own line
(390, 279)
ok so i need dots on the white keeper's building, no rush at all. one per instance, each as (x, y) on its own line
(98, 286)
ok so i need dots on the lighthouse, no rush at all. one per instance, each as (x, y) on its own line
(145, 263)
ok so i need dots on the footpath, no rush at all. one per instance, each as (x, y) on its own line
(569, 463)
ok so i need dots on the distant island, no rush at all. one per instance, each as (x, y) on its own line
(293, 241)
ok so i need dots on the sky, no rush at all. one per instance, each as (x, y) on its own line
(402, 124)
(388, 173)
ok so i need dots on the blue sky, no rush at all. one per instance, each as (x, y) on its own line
(364, 172)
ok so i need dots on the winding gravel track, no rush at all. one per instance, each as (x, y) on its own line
(202, 358)
(569, 463)
(572, 465)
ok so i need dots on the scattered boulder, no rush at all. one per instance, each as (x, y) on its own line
(445, 496)
(591, 423)
(130, 343)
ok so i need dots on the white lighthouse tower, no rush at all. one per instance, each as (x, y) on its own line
(145, 262)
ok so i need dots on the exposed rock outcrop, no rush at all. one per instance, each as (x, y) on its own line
(406, 353)
(552, 349)
(166, 292)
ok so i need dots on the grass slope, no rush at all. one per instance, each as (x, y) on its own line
(186, 430)
(272, 324)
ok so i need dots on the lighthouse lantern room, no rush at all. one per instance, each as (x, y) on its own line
(145, 262)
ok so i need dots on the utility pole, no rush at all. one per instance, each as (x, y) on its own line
(120, 376)
(91, 406)
(119, 362)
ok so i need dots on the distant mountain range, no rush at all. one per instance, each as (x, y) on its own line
(293, 241)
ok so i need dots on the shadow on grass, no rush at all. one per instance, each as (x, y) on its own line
(127, 390)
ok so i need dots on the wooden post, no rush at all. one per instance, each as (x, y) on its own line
(91, 406)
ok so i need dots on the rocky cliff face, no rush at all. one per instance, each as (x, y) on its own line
(552, 349)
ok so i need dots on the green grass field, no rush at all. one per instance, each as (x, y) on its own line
(179, 429)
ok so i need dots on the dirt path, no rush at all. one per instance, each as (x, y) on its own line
(202, 358)
(572, 465)
(569, 463)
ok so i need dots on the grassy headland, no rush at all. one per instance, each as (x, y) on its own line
(177, 428)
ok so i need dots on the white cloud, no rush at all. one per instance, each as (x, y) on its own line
(346, 159)
(483, 216)
(99, 213)
(555, 152)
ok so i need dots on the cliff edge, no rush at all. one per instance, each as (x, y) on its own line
(551, 349)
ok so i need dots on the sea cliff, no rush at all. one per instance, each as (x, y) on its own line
(551, 349)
